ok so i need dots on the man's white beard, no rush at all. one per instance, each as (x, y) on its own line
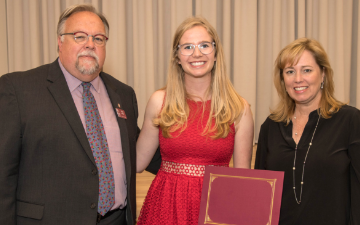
(88, 66)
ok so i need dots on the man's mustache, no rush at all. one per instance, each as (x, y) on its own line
(88, 53)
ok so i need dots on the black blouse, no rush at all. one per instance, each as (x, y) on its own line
(331, 189)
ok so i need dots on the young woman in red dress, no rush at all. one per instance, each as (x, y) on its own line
(198, 119)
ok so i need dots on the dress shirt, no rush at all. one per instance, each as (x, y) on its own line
(111, 127)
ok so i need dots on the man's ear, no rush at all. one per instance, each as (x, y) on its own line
(59, 43)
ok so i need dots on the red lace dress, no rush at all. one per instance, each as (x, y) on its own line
(175, 193)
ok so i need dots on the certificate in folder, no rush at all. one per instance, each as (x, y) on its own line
(240, 196)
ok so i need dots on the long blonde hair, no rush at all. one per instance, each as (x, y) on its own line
(226, 105)
(291, 55)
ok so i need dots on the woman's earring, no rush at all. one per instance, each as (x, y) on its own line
(322, 85)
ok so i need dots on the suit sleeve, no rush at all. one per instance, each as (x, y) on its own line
(354, 153)
(262, 149)
(10, 148)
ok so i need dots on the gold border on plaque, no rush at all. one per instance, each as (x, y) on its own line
(214, 176)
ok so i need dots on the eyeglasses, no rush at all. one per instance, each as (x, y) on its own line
(82, 38)
(204, 47)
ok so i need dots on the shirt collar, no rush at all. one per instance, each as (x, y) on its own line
(73, 82)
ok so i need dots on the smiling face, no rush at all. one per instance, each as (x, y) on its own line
(83, 61)
(197, 64)
(303, 80)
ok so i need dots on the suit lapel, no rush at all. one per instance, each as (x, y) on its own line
(115, 98)
(61, 94)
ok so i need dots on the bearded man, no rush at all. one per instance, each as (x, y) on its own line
(68, 134)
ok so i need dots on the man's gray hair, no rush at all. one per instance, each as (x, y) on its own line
(80, 8)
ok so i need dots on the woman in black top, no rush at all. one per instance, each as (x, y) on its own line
(314, 138)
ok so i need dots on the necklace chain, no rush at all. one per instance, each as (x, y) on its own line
(303, 169)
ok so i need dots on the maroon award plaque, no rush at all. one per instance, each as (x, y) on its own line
(240, 196)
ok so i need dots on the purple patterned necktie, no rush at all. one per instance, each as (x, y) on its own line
(96, 135)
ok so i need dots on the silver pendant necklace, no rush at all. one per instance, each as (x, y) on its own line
(303, 169)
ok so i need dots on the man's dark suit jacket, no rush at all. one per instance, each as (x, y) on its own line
(47, 171)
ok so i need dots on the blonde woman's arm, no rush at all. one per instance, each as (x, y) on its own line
(244, 134)
(148, 140)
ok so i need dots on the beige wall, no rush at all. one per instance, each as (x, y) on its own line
(3, 40)
(252, 33)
